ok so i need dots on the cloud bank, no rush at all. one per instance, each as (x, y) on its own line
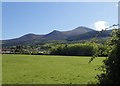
(101, 25)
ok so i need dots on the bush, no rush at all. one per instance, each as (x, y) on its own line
(86, 49)
(111, 69)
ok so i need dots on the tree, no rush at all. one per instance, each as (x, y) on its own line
(111, 69)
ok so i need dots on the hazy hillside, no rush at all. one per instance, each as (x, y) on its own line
(55, 35)
(89, 35)
(79, 33)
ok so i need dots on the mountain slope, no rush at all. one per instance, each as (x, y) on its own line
(55, 35)
(22, 40)
(79, 33)
(90, 35)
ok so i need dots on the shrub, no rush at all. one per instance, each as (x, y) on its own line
(111, 69)
(86, 49)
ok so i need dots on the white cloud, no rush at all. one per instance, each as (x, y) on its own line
(100, 25)
(116, 5)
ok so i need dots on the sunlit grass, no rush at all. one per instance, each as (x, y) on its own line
(41, 69)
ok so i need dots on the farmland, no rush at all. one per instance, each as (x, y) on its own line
(46, 69)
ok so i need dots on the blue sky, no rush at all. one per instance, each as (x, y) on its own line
(21, 18)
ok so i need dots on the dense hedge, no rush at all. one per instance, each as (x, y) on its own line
(85, 49)
(76, 49)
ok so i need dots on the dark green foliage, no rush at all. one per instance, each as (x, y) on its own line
(86, 49)
(103, 50)
(111, 67)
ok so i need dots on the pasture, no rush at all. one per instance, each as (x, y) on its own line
(45, 69)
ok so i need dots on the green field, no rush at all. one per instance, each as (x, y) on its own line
(43, 69)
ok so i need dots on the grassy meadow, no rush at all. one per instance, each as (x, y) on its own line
(45, 69)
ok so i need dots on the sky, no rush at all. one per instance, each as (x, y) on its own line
(20, 18)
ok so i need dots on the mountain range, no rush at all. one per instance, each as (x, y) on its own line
(77, 34)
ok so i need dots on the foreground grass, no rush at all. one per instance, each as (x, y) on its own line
(35, 69)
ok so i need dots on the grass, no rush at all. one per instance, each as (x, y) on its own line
(43, 69)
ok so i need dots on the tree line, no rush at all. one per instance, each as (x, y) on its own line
(70, 49)
(79, 49)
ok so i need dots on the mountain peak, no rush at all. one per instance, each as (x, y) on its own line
(83, 28)
(55, 35)
(29, 34)
(55, 31)
(78, 30)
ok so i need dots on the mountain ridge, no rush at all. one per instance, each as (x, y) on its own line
(79, 33)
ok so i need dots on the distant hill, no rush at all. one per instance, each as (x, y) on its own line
(26, 37)
(79, 33)
(90, 35)
(55, 35)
